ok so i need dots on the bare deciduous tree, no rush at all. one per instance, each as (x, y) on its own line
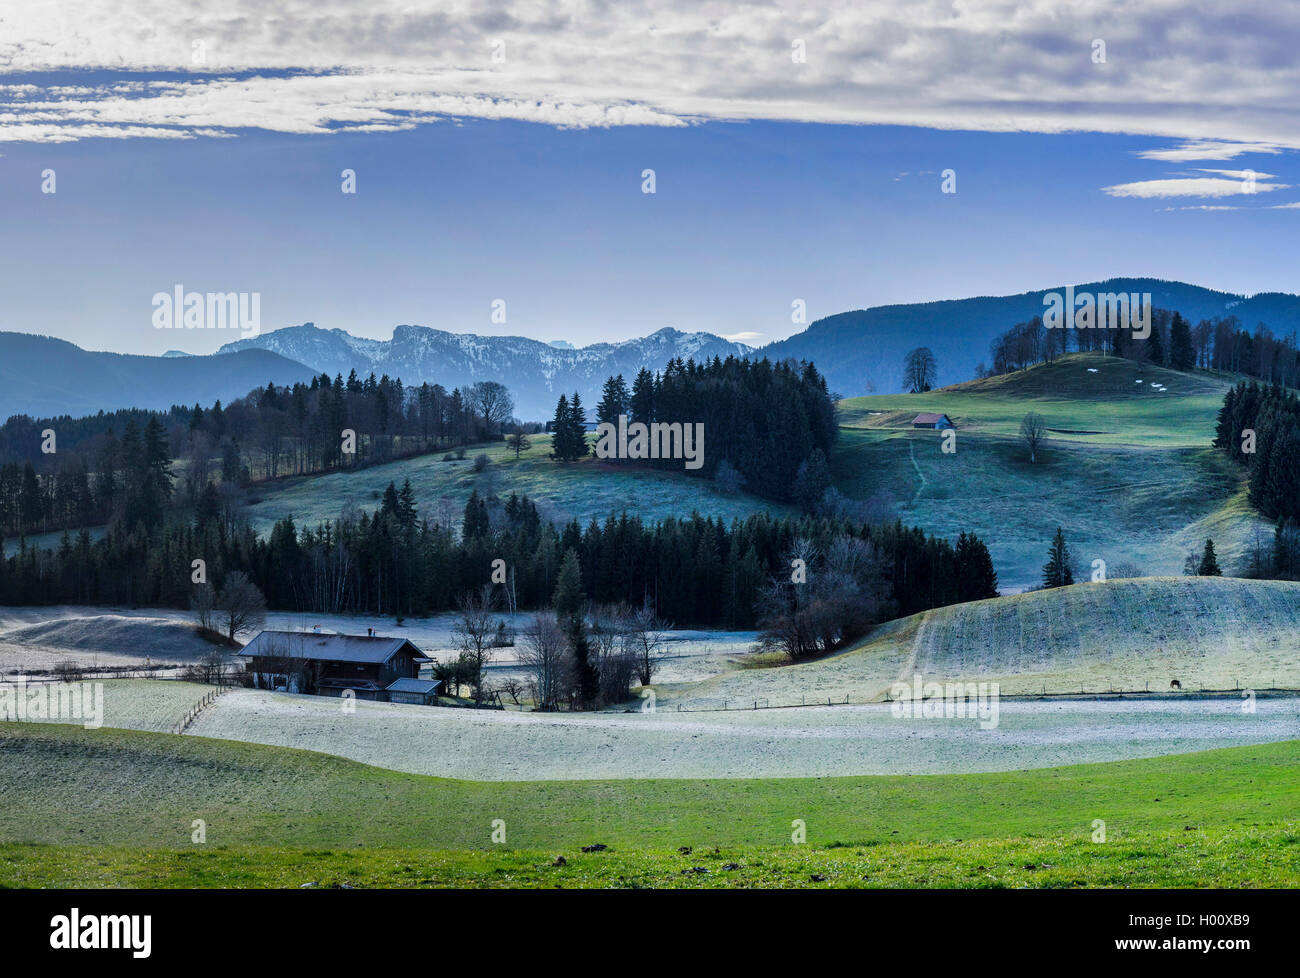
(518, 441)
(203, 602)
(842, 596)
(1033, 431)
(512, 687)
(613, 651)
(241, 605)
(544, 652)
(920, 370)
(213, 669)
(67, 671)
(646, 641)
(476, 632)
(493, 403)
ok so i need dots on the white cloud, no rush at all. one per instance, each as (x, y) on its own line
(748, 337)
(1189, 187)
(1217, 81)
(1238, 174)
(1206, 149)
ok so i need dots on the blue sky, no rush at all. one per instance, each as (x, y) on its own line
(522, 181)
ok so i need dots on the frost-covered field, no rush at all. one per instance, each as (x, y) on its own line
(144, 704)
(1124, 635)
(815, 741)
(39, 637)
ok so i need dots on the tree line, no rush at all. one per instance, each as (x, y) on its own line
(768, 427)
(1217, 343)
(1172, 343)
(396, 561)
(94, 476)
(1259, 427)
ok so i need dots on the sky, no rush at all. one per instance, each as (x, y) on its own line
(499, 152)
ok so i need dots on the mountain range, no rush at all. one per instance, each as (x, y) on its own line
(47, 377)
(536, 372)
(859, 352)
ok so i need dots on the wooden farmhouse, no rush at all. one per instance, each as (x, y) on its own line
(331, 665)
(938, 421)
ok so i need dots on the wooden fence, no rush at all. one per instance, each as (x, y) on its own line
(762, 703)
(208, 699)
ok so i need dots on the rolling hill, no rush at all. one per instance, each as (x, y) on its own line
(583, 490)
(1127, 470)
(1132, 635)
(294, 818)
(866, 346)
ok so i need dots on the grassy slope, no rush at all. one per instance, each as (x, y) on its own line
(1209, 633)
(1109, 402)
(1225, 816)
(581, 490)
(1146, 488)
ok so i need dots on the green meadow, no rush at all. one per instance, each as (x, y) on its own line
(119, 808)
(1108, 407)
(1128, 472)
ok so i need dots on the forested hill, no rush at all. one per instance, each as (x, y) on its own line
(867, 346)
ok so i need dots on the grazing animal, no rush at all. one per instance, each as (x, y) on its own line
(1175, 684)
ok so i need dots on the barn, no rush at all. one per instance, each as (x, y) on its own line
(938, 421)
(330, 665)
(421, 691)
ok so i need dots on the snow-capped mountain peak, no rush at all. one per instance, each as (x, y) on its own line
(536, 372)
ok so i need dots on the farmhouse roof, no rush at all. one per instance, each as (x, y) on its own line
(334, 648)
(425, 686)
(929, 418)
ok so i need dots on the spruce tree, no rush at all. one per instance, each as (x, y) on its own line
(1209, 563)
(1057, 572)
(642, 401)
(614, 400)
(567, 597)
(1182, 353)
(1156, 347)
(562, 433)
(578, 427)
(570, 601)
(984, 577)
(476, 523)
(976, 578)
